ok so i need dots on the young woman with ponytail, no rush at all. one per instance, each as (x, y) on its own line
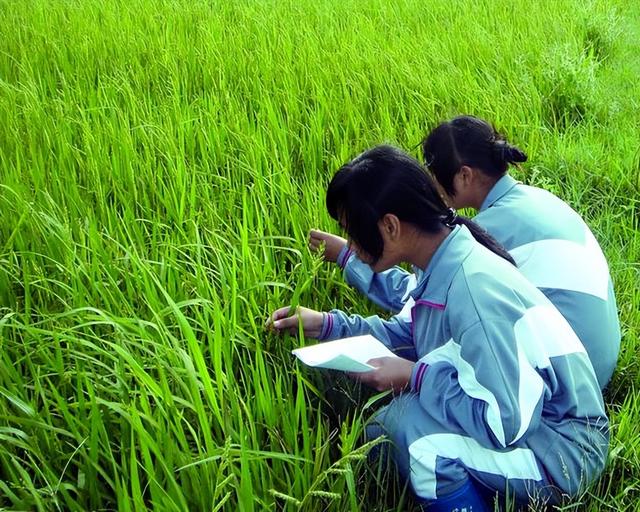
(550, 243)
(493, 390)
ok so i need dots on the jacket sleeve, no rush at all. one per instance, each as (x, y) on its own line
(483, 383)
(395, 333)
(388, 289)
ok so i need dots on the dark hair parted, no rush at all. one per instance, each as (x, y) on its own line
(385, 180)
(467, 140)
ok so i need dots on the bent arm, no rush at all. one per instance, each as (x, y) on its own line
(484, 383)
(388, 289)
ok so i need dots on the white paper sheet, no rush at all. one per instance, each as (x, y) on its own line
(346, 354)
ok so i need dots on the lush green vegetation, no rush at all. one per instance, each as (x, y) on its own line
(161, 162)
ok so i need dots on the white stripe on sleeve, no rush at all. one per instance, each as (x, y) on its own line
(450, 353)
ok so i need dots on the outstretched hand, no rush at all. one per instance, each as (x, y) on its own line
(392, 373)
(333, 244)
(286, 320)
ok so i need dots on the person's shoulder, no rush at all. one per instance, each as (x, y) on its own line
(487, 285)
(481, 302)
(484, 272)
(545, 198)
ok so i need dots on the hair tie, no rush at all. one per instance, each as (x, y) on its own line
(501, 151)
(450, 218)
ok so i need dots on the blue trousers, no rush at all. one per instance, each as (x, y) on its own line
(440, 459)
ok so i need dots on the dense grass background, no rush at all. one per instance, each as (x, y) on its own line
(160, 165)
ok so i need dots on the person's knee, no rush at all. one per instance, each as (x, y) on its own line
(465, 497)
(433, 476)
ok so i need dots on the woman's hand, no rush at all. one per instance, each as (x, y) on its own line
(286, 320)
(333, 244)
(392, 373)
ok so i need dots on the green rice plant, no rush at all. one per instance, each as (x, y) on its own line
(161, 163)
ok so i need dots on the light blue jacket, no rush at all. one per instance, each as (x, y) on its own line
(552, 247)
(495, 360)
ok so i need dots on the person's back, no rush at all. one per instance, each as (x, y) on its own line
(506, 309)
(551, 244)
(555, 249)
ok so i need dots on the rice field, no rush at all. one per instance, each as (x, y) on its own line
(161, 162)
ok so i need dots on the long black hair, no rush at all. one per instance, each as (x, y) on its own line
(467, 140)
(386, 180)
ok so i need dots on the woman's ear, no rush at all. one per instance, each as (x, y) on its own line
(390, 227)
(464, 186)
(466, 175)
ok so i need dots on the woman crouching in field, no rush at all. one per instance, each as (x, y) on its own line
(497, 391)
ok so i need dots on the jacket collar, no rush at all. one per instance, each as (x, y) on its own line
(434, 282)
(500, 189)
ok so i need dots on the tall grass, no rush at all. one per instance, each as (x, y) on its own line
(161, 163)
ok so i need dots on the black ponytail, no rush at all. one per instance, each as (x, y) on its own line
(468, 140)
(483, 237)
(507, 153)
(386, 180)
